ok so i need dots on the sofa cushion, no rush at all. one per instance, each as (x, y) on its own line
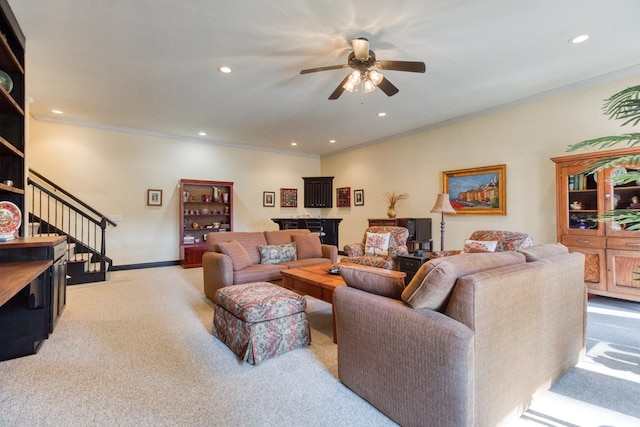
(373, 280)
(377, 244)
(280, 237)
(538, 252)
(275, 254)
(308, 245)
(239, 256)
(432, 285)
(475, 246)
(248, 239)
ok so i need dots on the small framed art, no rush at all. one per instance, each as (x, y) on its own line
(154, 197)
(288, 197)
(268, 199)
(358, 197)
(343, 195)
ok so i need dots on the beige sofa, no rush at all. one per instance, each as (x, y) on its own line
(495, 328)
(243, 265)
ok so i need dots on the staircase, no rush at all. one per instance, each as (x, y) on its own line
(55, 211)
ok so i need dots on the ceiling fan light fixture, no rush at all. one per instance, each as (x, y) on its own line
(369, 86)
(349, 86)
(355, 78)
(375, 76)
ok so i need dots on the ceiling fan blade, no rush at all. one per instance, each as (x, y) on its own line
(336, 93)
(411, 66)
(360, 48)
(329, 67)
(387, 87)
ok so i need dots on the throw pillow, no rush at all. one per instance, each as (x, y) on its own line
(239, 256)
(275, 254)
(538, 252)
(373, 280)
(432, 285)
(473, 246)
(308, 245)
(377, 244)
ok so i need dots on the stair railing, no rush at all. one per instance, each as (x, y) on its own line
(56, 211)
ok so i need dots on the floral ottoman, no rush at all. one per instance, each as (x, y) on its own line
(260, 320)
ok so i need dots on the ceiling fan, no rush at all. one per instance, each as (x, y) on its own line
(366, 66)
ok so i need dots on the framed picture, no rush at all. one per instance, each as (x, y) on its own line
(358, 197)
(288, 197)
(343, 195)
(268, 199)
(480, 191)
(154, 197)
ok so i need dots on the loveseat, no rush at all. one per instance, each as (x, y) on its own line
(469, 341)
(235, 257)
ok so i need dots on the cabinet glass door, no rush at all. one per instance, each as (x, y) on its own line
(621, 197)
(582, 204)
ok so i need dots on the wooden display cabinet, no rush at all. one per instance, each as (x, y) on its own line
(612, 253)
(205, 207)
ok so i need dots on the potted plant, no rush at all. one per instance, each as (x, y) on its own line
(393, 199)
(624, 105)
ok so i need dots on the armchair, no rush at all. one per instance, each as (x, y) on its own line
(506, 241)
(397, 246)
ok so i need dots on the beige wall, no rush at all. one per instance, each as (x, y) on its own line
(113, 170)
(524, 138)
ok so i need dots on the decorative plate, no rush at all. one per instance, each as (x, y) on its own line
(618, 170)
(10, 217)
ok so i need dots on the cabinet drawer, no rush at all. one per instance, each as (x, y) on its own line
(408, 264)
(623, 243)
(583, 241)
(59, 250)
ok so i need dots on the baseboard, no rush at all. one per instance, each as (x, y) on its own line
(145, 265)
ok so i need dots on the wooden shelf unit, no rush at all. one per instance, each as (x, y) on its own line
(201, 212)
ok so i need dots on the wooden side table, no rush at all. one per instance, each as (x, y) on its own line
(410, 264)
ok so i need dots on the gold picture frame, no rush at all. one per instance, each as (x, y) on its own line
(478, 191)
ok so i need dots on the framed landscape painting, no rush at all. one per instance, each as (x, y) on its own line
(481, 191)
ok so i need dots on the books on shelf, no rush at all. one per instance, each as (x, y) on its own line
(578, 182)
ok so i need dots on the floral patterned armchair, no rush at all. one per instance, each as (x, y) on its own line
(397, 246)
(506, 241)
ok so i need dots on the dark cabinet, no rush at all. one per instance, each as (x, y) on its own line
(410, 264)
(327, 227)
(36, 268)
(318, 192)
(12, 103)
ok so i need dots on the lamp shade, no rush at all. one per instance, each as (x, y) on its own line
(443, 205)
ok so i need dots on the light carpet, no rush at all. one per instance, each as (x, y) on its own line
(137, 350)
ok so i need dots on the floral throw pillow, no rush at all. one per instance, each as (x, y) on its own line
(275, 254)
(377, 244)
(473, 246)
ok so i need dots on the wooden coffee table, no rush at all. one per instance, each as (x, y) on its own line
(316, 282)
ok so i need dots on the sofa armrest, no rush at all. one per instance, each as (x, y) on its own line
(217, 270)
(354, 249)
(330, 252)
(416, 366)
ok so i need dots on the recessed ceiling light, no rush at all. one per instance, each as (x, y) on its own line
(294, 144)
(202, 133)
(57, 112)
(332, 141)
(224, 69)
(579, 39)
(382, 114)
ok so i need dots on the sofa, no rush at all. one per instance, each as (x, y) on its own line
(469, 341)
(502, 240)
(235, 257)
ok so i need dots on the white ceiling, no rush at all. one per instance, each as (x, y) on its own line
(151, 65)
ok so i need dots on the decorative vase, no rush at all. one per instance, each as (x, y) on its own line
(391, 213)
(225, 197)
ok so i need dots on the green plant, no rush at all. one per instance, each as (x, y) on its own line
(624, 105)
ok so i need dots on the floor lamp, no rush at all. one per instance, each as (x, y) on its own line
(443, 206)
